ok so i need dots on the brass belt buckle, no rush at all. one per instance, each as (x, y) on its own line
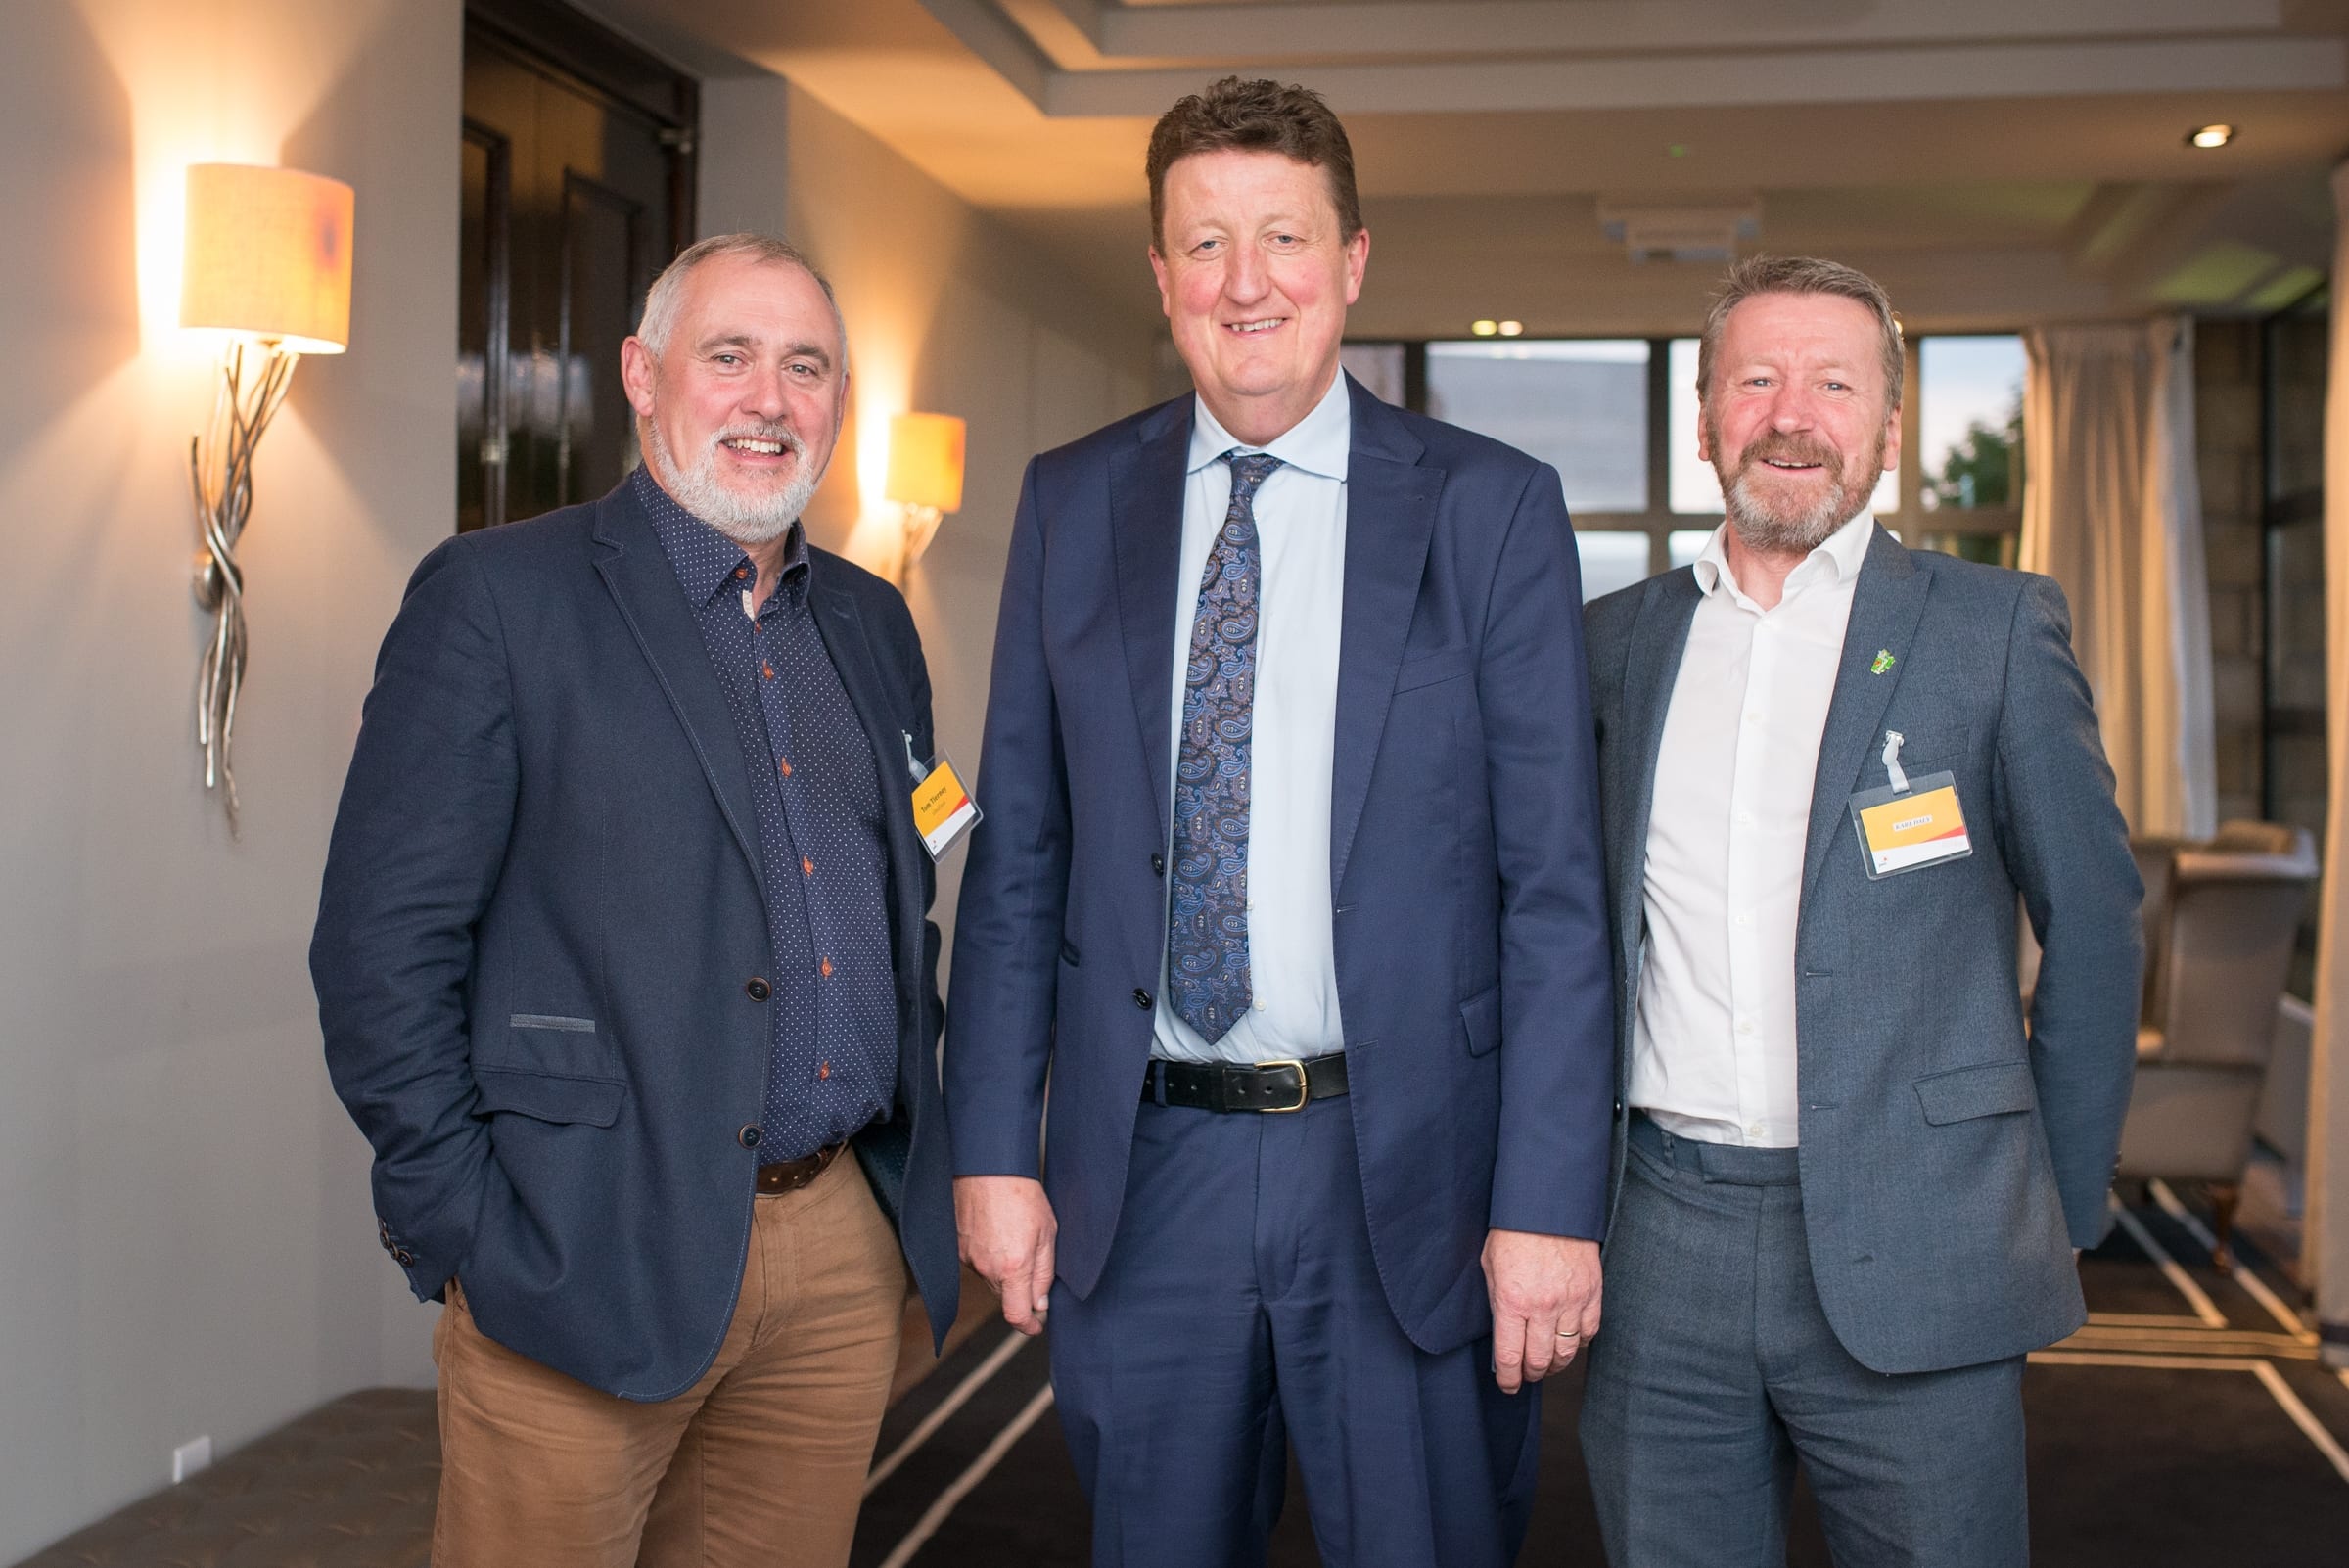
(1305, 1090)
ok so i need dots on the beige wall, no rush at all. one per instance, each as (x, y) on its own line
(947, 312)
(183, 1206)
(187, 1239)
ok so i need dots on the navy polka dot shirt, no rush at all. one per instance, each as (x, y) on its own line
(832, 1065)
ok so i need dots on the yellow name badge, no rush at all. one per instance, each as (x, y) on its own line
(1917, 829)
(1921, 827)
(942, 810)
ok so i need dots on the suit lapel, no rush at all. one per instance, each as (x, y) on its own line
(644, 585)
(1659, 636)
(1886, 604)
(1145, 502)
(1390, 517)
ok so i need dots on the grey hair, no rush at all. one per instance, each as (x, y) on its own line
(662, 299)
(1800, 274)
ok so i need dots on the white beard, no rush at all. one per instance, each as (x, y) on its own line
(747, 520)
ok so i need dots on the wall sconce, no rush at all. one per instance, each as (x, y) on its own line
(268, 259)
(925, 478)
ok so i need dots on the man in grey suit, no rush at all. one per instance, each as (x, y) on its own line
(1850, 1184)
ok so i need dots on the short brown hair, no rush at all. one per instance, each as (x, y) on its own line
(1254, 117)
(1800, 274)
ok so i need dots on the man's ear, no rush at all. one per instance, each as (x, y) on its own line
(636, 375)
(1158, 270)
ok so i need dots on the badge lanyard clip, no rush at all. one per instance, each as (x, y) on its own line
(1893, 740)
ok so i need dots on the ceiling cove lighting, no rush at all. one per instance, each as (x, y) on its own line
(2209, 136)
(1484, 327)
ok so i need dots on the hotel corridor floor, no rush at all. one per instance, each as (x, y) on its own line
(2188, 1424)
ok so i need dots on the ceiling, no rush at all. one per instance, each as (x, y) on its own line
(1992, 161)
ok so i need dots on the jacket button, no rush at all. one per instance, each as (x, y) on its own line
(749, 1136)
(758, 989)
(1141, 999)
(1158, 865)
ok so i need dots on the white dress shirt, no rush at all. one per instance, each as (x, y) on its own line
(1300, 543)
(1713, 1044)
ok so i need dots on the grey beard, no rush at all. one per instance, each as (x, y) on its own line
(1778, 532)
(747, 520)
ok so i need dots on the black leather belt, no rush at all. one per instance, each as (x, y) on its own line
(789, 1176)
(1231, 1086)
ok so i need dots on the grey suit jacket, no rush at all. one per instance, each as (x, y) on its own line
(1950, 1157)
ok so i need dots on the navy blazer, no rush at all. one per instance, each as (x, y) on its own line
(1465, 879)
(1950, 1157)
(542, 915)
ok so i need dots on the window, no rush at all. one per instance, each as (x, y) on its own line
(1611, 560)
(1578, 404)
(1971, 424)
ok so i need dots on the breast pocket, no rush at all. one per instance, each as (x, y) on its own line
(1426, 669)
(1928, 748)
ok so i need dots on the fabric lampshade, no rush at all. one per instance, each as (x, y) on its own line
(925, 461)
(268, 255)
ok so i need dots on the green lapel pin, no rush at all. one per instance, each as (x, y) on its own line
(1884, 661)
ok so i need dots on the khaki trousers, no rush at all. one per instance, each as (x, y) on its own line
(761, 1462)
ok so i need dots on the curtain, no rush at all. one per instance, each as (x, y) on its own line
(2113, 512)
(2324, 1233)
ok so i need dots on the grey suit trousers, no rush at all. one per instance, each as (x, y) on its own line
(1716, 1370)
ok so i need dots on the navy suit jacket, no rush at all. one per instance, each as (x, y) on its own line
(1465, 880)
(541, 914)
(1950, 1157)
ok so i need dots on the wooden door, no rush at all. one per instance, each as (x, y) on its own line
(577, 157)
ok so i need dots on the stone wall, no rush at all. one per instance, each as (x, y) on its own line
(2226, 416)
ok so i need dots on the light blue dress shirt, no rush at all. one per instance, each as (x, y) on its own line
(1301, 535)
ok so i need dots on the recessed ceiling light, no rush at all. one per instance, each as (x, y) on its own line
(2209, 136)
(1484, 328)
(1510, 329)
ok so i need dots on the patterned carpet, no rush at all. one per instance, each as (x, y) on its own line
(2188, 1424)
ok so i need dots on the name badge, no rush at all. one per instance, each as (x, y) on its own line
(942, 808)
(1909, 823)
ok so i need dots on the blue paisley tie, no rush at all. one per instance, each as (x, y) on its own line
(1207, 932)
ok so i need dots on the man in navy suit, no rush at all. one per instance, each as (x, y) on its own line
(625, 943)
(1290, 883)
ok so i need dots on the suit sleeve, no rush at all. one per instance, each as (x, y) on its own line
(2068, 849)
(1558, 1002)
(415, 853)
(1007, 927)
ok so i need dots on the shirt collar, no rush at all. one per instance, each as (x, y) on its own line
(1836, 559)
(1318, 443)
(705, 559)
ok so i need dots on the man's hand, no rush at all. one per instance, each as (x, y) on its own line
(1006, 1231)
(1544, 1292)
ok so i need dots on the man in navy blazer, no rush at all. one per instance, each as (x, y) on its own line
(1313, 954)
(1852, 1179)
(623, 941)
